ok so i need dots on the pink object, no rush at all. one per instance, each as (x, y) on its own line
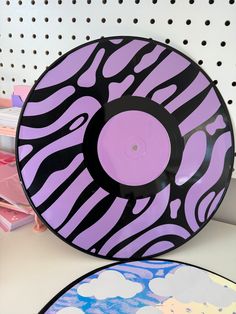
(22, 91)
(11, 219)
(134, 148)
(5, 102)
(39, 226)
(10, 188)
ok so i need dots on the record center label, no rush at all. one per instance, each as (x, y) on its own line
(134, 147)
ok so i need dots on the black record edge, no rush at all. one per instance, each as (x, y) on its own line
(78, 280)
(51, 67)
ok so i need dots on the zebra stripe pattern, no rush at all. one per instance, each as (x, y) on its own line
(53, 169)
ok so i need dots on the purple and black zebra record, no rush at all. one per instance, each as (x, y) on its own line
(125, 148)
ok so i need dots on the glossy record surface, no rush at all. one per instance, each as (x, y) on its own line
(125, 148)
(146, 287)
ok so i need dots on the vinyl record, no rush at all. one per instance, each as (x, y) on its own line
(146, 287)
(125, 148)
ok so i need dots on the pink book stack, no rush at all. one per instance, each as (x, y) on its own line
(14, 207)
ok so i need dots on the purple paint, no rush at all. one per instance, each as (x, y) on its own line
(197, 86)
(211, 176)
(129, 148)
(216, 125)
(64, 70)
(50, 103)
(24, 150)
(82, 212)
(174, 207)
(98, 231)
(204, 111)
(159, 247)
(149, 58)
(193, 156)
(65, 202)
(162, 94)
(204, 205)
(215, 203)
(155, 233)
(88, 78)
(162, 73)
(116, 90)
(121, 57)
(150, 216)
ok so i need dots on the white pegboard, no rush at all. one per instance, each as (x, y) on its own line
(34, 33)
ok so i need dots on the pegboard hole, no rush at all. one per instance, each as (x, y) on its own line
(104, 1)
(88, 20)
(170, 21)
(10, 35)
(46, 19)
(59, 36)
(204, 43)
(191, 1)
(8, 19)
(46, 36)
(231, 1)
(34, 35)
(230, 101)
(172, 1)
(234, 83)
(185, 41)
(47, 52)
(13, 79)
(34, 52)
(22, 36)
(33, 19)
(215, 82)
(23, 66)
(223, 44)
(73, 19)
(73, 37)
(188, 22)
(152, 21)
(22, 51)
(120, 1)
(21, 19)
(119, 20)
(167, 41)
(200, 62)
(211, 1)
(103, 20)
(219, 63)
(135, 21)
(59, 19)
(227, 23)
(11, 50)
(153, 1)
(207, 22)
(87, 37)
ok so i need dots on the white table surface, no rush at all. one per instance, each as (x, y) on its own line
(34, 267)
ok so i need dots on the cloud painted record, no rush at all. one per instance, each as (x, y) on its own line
(146, 287)
(125, 148)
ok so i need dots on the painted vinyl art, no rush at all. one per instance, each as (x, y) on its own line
(146, 287)
(125, 148)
